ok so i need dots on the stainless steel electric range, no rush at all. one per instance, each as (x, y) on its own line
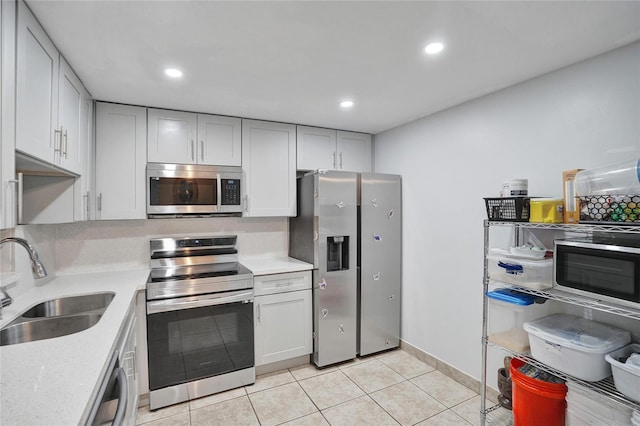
(199, 319)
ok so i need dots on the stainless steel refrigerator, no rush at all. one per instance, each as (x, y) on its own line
(379, 261)
(325, 233)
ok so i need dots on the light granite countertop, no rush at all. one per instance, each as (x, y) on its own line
(267, 265)
(54, 381)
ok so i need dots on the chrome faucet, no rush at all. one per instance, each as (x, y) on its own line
(37, 268)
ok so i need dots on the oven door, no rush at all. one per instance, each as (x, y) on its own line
(193, 338)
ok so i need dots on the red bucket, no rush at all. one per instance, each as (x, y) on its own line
(536, 402)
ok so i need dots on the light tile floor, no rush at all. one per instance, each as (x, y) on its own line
(386, 389)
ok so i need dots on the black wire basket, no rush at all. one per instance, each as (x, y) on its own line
(508, 209)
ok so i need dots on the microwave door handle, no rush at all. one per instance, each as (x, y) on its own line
(118, 420)
(219, 187)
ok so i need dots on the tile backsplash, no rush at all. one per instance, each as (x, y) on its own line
(124, 244)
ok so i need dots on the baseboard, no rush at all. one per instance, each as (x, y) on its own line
(283, 365)
(449, 370)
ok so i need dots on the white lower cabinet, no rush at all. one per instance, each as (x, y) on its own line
(127, 359)
(282, 317)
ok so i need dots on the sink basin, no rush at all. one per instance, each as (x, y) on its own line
(40, 329)
(70, 305)
(56, 317)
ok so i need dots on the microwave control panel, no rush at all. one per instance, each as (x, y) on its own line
(230, 192)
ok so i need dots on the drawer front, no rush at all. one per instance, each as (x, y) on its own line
(281, 283)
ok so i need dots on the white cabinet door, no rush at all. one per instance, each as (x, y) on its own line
(282, 326)
(354, 152)
(70, 96)
(83, 184)
(316, 148)
(172, 137)
(219, 140)
(37, 90)
(8, 187)
(269, 167)
(121, 159)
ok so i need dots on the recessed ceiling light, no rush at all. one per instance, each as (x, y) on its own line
(433, 48)
(173, 72)
(346, 104)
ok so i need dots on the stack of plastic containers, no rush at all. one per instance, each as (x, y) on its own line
(586, 407)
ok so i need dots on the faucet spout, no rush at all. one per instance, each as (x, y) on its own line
(37, 268)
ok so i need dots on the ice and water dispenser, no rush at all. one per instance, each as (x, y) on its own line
(337, 253)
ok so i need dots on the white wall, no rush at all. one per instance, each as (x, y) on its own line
(581, 116)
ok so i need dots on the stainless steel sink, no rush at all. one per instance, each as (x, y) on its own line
(56, 317)
(29, 331)
(70, 305)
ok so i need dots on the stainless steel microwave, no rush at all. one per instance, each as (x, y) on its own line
(605, 267)
(183, 190)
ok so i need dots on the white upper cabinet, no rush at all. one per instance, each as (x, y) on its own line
(329, 149)
(269, 168)
(121, 159)
(48, 99)
(354, 152)
(73, 141)
(37, 90)
(83, 184)
(316, 148)
(172, 137)
(8, 182)
(219, 140)
(190, 138)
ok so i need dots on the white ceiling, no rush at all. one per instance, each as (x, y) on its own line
(294, 61)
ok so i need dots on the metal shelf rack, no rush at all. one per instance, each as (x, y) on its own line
(495, 414)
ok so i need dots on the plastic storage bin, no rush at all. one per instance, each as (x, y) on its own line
(626, 378)
(535, 274)
(508, 311)
(586, 407)
(613, 179)
(536, 403)
(574, 345)
(546, 210)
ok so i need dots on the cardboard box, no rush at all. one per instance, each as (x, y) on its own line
(571, 203)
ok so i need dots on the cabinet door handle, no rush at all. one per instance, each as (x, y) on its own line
(341, 161)
(20, 196)
(193, 157)
(57, 137)
(246, 203)
(202, 151)
(65, 135)
(334, 160)
(99, 202)
(85, 200)
(258, 314)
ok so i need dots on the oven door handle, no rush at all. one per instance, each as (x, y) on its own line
(159, 306)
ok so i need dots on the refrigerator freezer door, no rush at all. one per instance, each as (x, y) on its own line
(380, 262)
(335, 280)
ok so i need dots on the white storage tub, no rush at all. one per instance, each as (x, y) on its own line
(587, 407)
(625, 377)
(535, 274)
(575, 346)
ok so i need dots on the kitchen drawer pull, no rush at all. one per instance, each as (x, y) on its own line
(281, 284)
